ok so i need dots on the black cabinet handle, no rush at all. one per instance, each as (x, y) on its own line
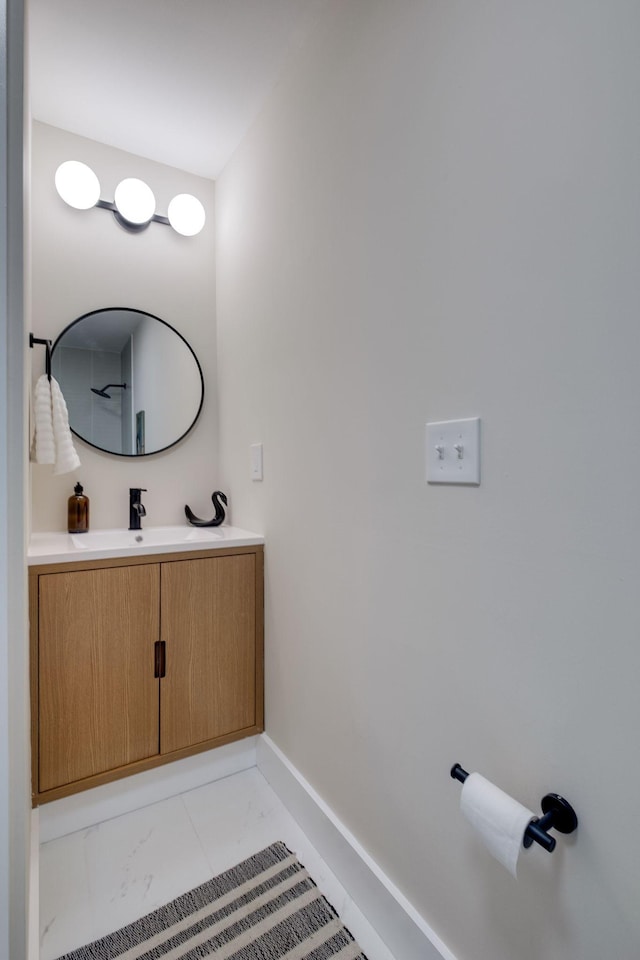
(160, 659)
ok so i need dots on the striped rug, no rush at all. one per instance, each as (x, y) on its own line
(266, 908)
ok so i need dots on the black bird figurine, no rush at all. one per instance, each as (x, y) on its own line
(216, 497)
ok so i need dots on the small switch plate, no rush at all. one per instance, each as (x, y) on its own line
(256, 461)
(453, 451)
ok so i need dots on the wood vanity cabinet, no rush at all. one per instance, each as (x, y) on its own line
(138, 661)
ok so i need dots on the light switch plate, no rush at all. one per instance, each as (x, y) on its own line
(453, 451)
(256, 461)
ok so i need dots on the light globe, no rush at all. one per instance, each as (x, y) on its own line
(186, 215)
(134, 201)
(77, 184)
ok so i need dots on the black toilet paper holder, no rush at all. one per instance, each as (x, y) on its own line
(557, 813)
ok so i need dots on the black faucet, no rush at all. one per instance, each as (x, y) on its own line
(136, 509)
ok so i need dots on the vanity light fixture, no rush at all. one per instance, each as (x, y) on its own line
(134, 203)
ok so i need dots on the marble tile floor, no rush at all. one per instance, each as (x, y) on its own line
(99, 879)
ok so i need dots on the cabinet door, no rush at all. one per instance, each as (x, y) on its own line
(98, 698)
(208, 621)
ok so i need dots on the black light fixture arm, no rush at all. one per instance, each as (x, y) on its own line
(135, 227)
(557, 814)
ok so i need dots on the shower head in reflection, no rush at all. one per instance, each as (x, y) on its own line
(103, 392)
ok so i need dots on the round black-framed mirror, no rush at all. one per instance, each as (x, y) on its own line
(132, 383)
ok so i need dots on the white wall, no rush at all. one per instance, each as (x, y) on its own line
(83, 261)
(170, 402)
(437, 215)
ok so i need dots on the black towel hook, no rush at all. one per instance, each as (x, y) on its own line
(557, 814)
(47, 343)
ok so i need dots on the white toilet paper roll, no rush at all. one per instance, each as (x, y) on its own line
(498, 818)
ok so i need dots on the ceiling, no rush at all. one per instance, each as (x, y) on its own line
(178, 81)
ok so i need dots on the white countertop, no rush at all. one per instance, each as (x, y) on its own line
(103, 544)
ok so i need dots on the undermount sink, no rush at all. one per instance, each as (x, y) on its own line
(147, 537)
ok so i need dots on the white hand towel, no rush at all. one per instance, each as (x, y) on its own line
(43, 448)
(52, 441)
(66, 457)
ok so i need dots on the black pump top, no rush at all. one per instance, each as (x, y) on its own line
(78, 489)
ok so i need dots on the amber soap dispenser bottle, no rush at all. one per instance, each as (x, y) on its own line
(78, 511)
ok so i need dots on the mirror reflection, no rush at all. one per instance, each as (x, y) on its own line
(132, 384)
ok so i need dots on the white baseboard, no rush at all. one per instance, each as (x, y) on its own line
(85, 809)
(400, 926)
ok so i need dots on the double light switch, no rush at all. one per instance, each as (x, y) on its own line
(453, 451)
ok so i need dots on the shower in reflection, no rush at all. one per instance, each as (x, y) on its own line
(103, 392)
